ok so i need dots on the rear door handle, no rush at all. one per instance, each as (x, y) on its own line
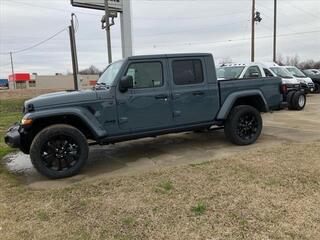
(198, 93)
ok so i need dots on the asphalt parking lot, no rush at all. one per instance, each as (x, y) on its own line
(179, 149)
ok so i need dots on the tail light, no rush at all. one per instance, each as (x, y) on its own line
(284, 89)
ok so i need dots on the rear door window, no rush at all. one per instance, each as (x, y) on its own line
(187, 72)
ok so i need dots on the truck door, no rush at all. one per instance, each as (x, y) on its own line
(193, 101)
(147, 106)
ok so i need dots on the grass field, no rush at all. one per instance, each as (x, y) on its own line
(271, 193)
(10, 112)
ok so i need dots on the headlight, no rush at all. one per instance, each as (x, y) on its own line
(26, 121)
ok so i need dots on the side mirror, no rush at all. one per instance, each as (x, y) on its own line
(254, 74)
(126, 83)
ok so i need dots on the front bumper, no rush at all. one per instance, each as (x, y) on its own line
(13, 137)
(311, 87)
(294, 87)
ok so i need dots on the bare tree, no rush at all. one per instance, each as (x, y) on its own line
(225, 60)
(295, 61)
(92, 70)
(280, 60)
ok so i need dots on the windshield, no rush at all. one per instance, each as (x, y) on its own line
(281, 72)
(296, 72)
(229, 72)
(110, 73)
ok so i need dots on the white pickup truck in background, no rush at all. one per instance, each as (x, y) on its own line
(306, 83)
(295, 98)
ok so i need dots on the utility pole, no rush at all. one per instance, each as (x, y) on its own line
(74, 56)
(12, 71)
(275, 32)
(108, 31)
(253, 30)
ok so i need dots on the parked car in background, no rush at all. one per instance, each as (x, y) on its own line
(314, 74)
(259, 69)
(137, 97)
(4, 84)
(305, 81)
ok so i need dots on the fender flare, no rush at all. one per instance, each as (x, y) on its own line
(79, 112)
(233, 97)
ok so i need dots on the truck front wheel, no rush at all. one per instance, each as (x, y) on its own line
(59, 151)
(244, 125)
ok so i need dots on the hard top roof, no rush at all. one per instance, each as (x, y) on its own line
(177, 55)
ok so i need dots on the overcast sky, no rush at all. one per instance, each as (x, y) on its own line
(221, 27)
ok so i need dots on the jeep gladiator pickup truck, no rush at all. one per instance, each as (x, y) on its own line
(138, 97)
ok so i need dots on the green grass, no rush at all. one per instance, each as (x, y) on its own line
(164, 187)
(199, 209)
(10, 112)
(42, 215)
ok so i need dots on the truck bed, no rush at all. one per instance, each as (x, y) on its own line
(269, 86)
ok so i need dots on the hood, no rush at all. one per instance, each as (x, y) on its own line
(61, 99)
(304, 79)
(290, 81)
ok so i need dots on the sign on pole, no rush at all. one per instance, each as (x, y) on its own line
(115, 5)
(121, 6)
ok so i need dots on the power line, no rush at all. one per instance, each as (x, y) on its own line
(37, 44)
(237, 40)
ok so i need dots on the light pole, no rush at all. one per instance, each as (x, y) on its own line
(12, 71)
(253, 29)
(275, 32)
(256, 17)
(74, 56)
(108, 31)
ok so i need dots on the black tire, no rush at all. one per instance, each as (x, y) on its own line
(298, 101)
(244, 125)
(59, 151)
(289, 99)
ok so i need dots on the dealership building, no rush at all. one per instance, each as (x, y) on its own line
(58, 81)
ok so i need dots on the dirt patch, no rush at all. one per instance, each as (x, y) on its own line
(270, 193)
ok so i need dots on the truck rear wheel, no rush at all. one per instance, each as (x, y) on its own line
(59, 151)
(244, 125)
(298, 101)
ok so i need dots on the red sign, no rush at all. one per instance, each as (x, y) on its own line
(19, 77)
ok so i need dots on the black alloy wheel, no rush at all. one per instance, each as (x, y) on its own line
(248, 126)
(243, 125)
(59, 151)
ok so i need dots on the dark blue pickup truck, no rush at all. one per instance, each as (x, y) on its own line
(142, 96)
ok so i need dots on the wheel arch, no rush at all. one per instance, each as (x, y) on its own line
(252, 98)
(78, 118)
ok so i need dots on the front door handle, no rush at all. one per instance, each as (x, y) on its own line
(198, 93)
(161, 97)
(123, 120)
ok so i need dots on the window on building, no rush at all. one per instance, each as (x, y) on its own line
(146, 74)
(32, 83)
(21, 84)
(187, 72)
